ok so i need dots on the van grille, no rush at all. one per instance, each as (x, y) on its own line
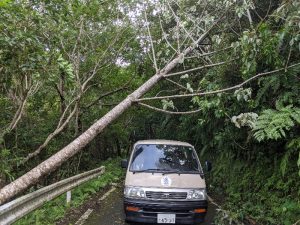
(165, 195)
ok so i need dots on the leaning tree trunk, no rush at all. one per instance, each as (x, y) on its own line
(52, 163)
(71, 149)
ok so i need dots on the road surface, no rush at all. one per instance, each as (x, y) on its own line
(110, 211)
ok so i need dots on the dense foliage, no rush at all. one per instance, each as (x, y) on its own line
(60, 70)
(64, 64)
(251, 135)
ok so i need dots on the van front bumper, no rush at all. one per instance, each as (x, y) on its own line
(148, 210)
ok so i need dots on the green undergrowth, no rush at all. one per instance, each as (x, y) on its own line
(52, 211)
(255, 191)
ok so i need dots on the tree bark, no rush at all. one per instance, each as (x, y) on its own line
(52, 163)
(61, 92)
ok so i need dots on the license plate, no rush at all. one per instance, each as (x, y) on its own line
(165, 218)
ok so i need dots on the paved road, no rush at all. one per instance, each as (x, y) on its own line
(111, 211)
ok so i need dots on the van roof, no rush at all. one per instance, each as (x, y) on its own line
(163, 142)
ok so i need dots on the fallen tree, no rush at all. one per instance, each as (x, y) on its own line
(52, 163)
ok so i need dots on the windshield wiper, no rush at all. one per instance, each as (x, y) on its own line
(181, 172)
(163, 171)
(148, 170)
(172, 171)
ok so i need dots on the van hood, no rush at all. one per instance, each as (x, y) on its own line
(158, 180)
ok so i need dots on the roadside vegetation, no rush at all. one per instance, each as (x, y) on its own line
(234, 95)
(255, 192)
(54, 210)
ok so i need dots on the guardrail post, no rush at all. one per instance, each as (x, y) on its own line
(69, 196)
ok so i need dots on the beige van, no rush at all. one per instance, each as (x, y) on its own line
(164, 183)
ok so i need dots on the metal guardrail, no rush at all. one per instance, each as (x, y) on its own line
(16, 209)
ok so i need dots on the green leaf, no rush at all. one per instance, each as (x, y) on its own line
(167, 104)
(189, 88)
(273, 124)
(185, 76)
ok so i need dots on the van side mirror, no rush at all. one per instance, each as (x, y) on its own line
(124, 163)
(208, 166)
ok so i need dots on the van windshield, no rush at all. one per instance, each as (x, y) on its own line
(164, 158)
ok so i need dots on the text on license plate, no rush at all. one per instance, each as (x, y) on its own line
(165, 218)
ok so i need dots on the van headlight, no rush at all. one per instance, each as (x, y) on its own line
(134, 192)
(197, 194)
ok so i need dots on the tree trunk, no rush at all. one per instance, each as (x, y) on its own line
(52, 163)
(118, 146)
(78, 123)
(61, 92)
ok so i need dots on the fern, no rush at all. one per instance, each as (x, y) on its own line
(267, 84)
(273, 124)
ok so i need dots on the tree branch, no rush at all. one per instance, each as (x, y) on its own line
(177, 84)
(249, 15)
(50, 137)
(192, 47)
(174, 90)
(180, 24)
(167, 111)
(64, 113)
(165, 35)
(208, 53)
(19, 112)
(151, 43)
(125, 86)
(198, 68)
(79, 36)
(17, 115)
(298, 222)
(220, 90)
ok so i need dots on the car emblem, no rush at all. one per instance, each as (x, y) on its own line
(166, 181)
(166, 195)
